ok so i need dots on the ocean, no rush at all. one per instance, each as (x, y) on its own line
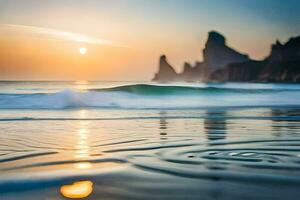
(143, 140)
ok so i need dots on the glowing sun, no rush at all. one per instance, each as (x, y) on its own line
(82, 50)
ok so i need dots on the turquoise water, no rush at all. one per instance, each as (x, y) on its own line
(149, 141)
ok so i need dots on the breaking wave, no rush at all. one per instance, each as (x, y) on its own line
(144, 96)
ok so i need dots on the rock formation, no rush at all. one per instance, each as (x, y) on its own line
(166, 71)
(222, 63)
(217, 54)
(282, 65)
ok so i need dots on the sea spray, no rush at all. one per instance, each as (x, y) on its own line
(149, 96)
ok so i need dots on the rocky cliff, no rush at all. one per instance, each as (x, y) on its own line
(217, 54)
(282, 65)
(222, 63)
(166, 72)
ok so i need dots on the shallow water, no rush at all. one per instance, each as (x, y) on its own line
(151, 152)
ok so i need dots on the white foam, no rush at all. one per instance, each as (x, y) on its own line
(117, 99)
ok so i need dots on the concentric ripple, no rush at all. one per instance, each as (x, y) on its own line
(266, 160)
(129, 154)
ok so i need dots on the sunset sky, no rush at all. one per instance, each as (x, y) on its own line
(123, 38)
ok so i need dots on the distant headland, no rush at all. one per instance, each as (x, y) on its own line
(222, 63)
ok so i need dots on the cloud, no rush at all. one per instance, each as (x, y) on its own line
(47, 33)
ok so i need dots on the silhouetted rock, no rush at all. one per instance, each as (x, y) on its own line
(287, 52)
(217, 55)
(187, 67)
(193, 73)
(239, 72)
(283, 65)
(215, 38)
(166, 71)
(222, 63)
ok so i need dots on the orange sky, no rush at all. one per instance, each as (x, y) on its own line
(124, 38)
(30, 52)
(43, 56)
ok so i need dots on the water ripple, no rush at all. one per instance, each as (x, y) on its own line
(231, 160)
(15, 156)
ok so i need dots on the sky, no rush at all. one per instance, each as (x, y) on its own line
(123, 39)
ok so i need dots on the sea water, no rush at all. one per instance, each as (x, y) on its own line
(125, 140)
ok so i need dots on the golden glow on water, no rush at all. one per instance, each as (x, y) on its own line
(82, 146)
(79, 189)
(81, 85)
(83, 165)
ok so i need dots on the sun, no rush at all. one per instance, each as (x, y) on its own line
(82, 50)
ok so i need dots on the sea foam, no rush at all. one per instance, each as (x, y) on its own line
(143, 96)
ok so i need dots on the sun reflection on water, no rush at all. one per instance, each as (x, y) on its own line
(82, 146)
(81, 85)
(83, 165)
(77, 190)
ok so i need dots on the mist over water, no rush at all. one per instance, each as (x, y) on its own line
(112, 140)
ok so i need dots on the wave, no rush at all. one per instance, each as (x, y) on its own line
(143, 96)
(147, 89)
